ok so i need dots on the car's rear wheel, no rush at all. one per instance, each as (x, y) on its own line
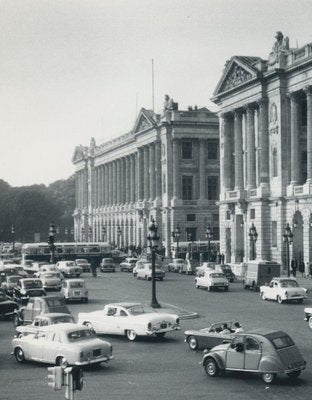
(211, 367)
(294, 375)
(19, 355)
(262, 296)
(131, 335)
(160, 334)
(192, 342)
(279, 300)
(268, 377)
(61, 361)
(310, 322)
(16, 320)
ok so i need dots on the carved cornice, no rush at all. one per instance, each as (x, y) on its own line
(308, 90)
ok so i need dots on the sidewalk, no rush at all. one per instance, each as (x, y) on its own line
(171, 309)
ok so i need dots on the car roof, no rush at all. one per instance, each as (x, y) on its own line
(123, 304)
(29, 279)
(268, 333)
(66, 327)
(13, 276)
(53, 315)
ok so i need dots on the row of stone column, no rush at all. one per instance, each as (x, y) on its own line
(136, 177)
(233, 121)
(81, 188)
(295, 135)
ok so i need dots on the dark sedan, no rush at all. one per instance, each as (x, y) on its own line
(211, 336)
(7, 307)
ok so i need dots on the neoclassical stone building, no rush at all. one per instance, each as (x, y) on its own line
(266, 153)
(167, 167)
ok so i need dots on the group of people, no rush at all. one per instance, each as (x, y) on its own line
(300, 267)
(225, 329)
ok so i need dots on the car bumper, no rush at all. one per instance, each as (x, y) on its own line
(95, 360)
(169, 329)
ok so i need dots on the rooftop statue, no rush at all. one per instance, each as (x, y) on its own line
(168, 103)
(280, 47)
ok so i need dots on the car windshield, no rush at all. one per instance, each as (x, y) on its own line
(32, 284)
(18, 268)
(136, 310)
(289, 283)
(179, 261)
(76, 284)
(55, 302)
(48, 275)
(75, 336)
(107, 260)
(63, 319)
(70, 264)
(81, 261)
(13, 279)
(282, 342)
(216, 275)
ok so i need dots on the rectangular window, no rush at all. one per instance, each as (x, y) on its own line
(252, 213)
(213, 187)
(187, 187)
(187, 150)
(274, 233)
(215, 217)
(215, 233)
(213, 149)
(191, 217)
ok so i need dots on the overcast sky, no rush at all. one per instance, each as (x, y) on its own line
(73, 69)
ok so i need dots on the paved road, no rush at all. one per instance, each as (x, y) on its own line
(166, 368)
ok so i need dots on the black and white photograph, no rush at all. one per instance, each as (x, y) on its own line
(155, 199)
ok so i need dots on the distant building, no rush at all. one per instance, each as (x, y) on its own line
(266, 153)
(167, 168)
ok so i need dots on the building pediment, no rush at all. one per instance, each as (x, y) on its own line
(238, 71)
(79, 153)
(144, 121)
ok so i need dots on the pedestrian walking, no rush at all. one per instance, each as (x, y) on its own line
(301, 267)
(294, 265)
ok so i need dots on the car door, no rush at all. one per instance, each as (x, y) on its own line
(52, 347)
(122, 321)
(253, 352)
(28, 311)
(235, 355)
(269, 292)
(36, 345)
(108, 323)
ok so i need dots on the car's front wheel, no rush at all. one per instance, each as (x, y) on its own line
(211, 367)
(19, 355)
(268, 377)
(310, 322)
(61, 362)
(131, 335)
(193, 343)
(279, 300)
(16, 320)
(262, 296)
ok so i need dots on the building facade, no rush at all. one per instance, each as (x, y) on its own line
(266, 153)
(166, 168)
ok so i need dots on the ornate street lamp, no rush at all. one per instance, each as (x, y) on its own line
(119, 232)
(288, 239)
(66, 233)
(209, 237)
(82, 234)
(13, 238)
(51, 241)
(176, 235)
(253, 236)
(153, 239)
(103, 233)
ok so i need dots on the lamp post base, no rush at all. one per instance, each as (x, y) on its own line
(155, 304)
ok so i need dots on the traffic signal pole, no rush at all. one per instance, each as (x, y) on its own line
(70, 377)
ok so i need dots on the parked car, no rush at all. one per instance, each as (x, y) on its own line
(37, 306)
(7, 307)
(128, 264)
(200, 271)
(69, 268)
(262, 351)
(146, 272)
(62, 344)
(9, 282)
(107, 265)
(19, 270)
(177, 265)
(260, 272)
(34, 267)
(139, 265)
(26, 288)
(74, 289)
(308, 315)
(43, 320)
(46, 268)
(211, 336)
(212, 280)
(129, 319)
(282, 290)
(227, 271)
(50, 280)
(84, 264)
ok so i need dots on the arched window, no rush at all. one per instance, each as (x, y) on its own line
(274, 162)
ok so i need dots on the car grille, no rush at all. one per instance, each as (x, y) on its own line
(163, 325)
(96, 352)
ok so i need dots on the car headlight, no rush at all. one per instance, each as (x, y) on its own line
(178, 321)
(81, 354)
(286, 295)
(149, 326)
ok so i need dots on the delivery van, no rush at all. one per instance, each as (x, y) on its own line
(260, 272)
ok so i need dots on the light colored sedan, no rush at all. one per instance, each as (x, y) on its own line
(43, 320)
(50, 280)
(74, 289)
(129, 319)
(212, 280)
(62, 344)
(146, 272)
(282, 290)
(128, 264)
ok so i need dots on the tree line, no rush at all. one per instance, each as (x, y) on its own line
(31, 209)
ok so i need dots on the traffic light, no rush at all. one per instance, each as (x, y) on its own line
(77, 378)
(55, 377)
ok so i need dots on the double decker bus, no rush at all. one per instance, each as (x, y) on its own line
(91, 251)
(199, 251)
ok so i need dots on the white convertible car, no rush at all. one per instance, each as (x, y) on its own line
(62, 344)
(129, 319)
